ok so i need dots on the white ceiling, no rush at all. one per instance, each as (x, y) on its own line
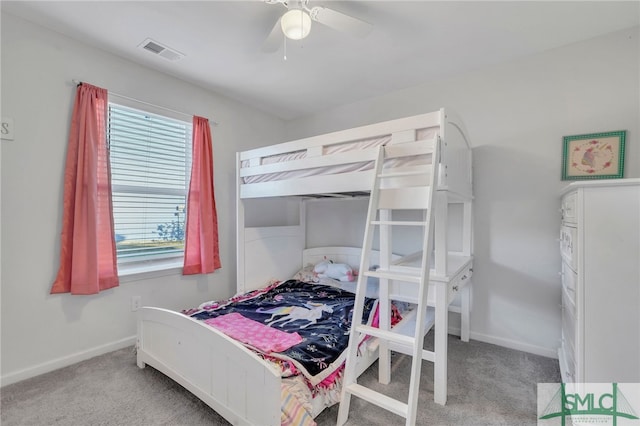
(412, 42)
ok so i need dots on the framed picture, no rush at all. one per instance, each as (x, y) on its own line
(593, 156)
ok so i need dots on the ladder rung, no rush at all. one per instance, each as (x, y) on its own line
(407, 270)
(392, 275)
(388, 403)
(426, 355)
(386, 335)
(397, 223)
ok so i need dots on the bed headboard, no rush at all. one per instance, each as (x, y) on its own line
(341, 254)
(348, 255)
(264, 264)
(268, 253)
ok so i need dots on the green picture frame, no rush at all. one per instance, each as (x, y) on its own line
(593, 156)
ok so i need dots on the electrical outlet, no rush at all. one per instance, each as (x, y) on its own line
(135, 303)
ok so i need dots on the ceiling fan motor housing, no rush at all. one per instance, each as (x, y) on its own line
(296, 24)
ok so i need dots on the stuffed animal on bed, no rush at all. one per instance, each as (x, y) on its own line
(336, 271)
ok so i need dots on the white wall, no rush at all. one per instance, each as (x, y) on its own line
(516, 115)
(41, 331)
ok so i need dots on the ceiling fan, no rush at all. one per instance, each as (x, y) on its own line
(295, 23)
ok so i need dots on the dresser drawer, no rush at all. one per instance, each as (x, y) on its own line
(567, 365)
(568, 240)
(568, 209)
(568, 302)
(568, 324)
(569, 280)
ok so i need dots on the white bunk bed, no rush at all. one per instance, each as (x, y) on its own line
(233, 380)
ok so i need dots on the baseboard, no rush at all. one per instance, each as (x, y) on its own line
(508, 343)
(49, 366)
(46, 367)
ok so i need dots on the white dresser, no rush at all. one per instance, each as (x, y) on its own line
(600, 248)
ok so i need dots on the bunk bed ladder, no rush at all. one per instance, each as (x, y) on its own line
(406, 189)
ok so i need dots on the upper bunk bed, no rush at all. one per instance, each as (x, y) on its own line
(341, 163)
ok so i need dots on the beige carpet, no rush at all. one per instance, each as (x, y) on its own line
(488, 385)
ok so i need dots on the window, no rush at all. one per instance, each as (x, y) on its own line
(150, 169)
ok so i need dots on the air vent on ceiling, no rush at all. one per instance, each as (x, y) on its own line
(160, 50)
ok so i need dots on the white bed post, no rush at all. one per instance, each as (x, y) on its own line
(467, 250)
(440, 344)
(385, 235)
(441, 252)
(441, 202)
(302, 223)
(441, 210)
(240, 237)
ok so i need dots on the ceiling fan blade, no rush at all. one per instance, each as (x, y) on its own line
(341, 22)
(273, 40)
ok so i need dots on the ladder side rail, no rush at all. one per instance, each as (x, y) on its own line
(423, 294)
(356, 318)
(398, 195)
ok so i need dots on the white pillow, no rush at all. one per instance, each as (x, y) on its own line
(307, 275)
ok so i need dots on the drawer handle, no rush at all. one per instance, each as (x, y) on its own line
(464, 277)
(455, 288)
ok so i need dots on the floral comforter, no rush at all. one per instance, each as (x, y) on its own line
(320, 314)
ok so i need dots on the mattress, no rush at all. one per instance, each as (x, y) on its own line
(421, 134)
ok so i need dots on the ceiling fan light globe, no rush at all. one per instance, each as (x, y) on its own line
(296, 24)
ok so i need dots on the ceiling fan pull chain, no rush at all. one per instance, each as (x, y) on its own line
(285, 47)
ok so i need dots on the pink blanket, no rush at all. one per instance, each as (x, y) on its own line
(258, 335)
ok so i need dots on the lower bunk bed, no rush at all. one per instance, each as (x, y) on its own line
(288, 378)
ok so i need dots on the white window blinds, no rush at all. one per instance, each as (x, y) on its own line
(150, 168)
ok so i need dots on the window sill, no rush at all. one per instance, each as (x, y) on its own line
(148, 270)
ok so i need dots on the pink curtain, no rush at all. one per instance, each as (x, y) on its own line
(88, 262)
(201, 251)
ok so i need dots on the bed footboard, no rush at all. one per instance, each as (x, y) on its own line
(235, 382)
